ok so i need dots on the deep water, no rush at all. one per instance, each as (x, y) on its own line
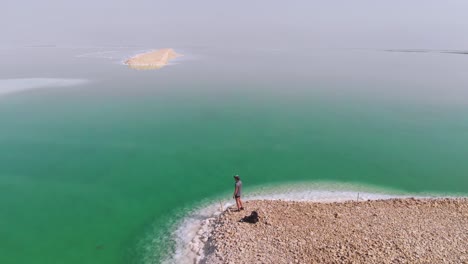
(99, 172)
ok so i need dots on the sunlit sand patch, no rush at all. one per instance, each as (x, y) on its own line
(11, 86)
(152, 60)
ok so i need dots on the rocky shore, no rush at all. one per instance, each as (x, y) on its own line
(379, 231)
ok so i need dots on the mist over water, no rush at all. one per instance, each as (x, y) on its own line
(103, 170)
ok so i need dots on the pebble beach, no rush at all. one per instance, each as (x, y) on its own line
(375, 231)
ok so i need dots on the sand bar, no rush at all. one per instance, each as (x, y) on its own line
(379, 231)
(152, 60)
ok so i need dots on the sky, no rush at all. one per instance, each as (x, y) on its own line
(428, 24)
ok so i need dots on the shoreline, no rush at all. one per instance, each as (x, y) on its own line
(192, 232)
(394, 229)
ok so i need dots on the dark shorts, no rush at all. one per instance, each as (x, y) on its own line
(237, 196)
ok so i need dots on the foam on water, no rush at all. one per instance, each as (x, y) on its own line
(10, 86)
(193, 231)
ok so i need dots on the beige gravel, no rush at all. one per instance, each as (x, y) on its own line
(379, 231)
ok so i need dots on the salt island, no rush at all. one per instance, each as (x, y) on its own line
(152, 60)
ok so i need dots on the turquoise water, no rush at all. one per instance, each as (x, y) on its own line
(91, 173)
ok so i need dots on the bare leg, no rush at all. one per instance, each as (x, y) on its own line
(239, 204)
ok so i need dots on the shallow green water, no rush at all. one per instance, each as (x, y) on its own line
(88, 173)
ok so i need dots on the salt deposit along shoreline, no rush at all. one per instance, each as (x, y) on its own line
(193, 230)
(397, 230)
(195, 235)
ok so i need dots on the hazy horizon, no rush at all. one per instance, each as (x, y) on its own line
(356, 24)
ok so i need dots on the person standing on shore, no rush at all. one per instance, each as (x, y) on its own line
(238, 192)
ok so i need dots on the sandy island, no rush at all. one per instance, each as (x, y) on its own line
(152, 60)
(378, 231)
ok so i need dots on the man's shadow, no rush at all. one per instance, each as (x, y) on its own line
(252, 218)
